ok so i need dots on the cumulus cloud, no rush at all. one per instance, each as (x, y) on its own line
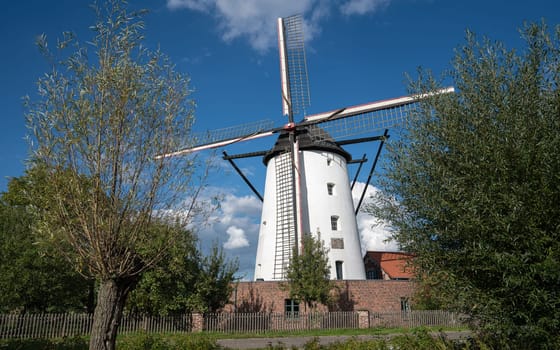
(253, 19)
(236, 239)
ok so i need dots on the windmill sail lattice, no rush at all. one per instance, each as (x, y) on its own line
(296, 64)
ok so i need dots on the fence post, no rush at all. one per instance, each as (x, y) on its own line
(197, 322)
(363, 319)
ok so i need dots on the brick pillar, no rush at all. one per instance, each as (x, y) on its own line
(197, 323)
(363, 319)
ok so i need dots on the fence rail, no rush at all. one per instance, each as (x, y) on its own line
(67, 325)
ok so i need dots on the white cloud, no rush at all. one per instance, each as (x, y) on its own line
(373, 233)
(198, 5)
(248, 205)
(249, 19)
(361, 7)
(254, 20)
(236, 239)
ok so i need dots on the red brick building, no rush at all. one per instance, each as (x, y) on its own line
(371, 295)
(389, 289)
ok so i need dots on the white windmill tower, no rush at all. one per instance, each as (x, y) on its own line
(307, 188)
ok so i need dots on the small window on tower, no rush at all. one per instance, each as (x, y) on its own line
(330, 189)
(330, 159)
(339, 275)
(334, 223)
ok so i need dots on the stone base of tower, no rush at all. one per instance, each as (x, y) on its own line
(370, 295)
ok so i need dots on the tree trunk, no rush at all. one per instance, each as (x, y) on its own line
(108, 312)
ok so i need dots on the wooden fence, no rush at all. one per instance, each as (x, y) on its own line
(409, 319)
(265, 322)
(66, 325)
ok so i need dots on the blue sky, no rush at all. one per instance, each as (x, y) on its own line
(357, 51)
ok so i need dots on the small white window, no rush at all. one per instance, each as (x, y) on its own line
(334, 223)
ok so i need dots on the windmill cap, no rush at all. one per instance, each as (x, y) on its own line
(309, 138)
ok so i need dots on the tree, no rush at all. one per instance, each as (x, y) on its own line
(472, 188)
(33, 278)
(185, 281)
(97, 126)
(214, 283)
(308, 275)
(168, 288)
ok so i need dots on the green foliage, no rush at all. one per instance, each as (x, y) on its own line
(308, 275)
(185, 281)
(137, 341)
(33, 277)
(72, 343)
(167, 288)
(214, 283)
(473, 188)
(145, 341)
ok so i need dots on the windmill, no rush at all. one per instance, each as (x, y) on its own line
(307, 187)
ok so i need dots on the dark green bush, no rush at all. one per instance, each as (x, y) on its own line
(146, 341)
(73, 343)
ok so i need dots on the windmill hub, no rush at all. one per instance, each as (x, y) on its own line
(290, 126)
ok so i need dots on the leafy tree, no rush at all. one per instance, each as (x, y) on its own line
(33, 278)
(473, 187)
(308, 275)
(186, 281)
(214, 283)
(168, 287)
(99, 122)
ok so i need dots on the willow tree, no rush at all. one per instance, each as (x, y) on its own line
(473, 188)
(104, 111)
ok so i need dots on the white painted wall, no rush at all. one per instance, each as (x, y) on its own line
(319, 168)
(264, 262)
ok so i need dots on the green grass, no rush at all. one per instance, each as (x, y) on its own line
(328, 332)
(208, 341)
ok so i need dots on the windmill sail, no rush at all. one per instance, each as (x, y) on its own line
(293, 66)
(295, 97)
(343, 122)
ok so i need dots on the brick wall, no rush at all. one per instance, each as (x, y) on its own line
(371, 295)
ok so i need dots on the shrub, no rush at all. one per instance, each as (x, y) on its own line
(146, 341)
(72, 343)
